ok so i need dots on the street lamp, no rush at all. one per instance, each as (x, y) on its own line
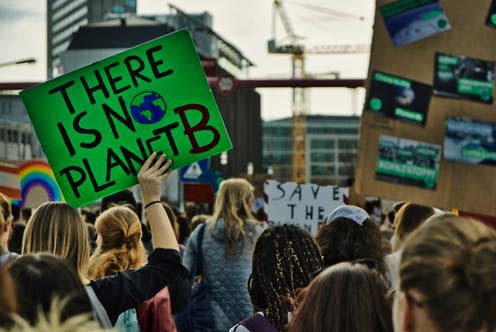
(18, 62)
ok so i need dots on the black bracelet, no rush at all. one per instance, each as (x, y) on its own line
(151, 203)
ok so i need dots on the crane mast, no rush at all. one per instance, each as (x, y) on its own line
(299, 102)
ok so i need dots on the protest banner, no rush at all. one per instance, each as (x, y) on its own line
(454, 56)
(304, 205)
(99, 123)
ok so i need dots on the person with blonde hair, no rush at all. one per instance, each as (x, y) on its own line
(227, 248)
(59, 229)
(119, 245)
(447, 278)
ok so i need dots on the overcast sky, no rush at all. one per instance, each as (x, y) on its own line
(246, 24)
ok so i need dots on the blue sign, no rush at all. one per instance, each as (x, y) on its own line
(192, 172)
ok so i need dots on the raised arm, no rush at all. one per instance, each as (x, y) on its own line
(150, 176)
(130, 288)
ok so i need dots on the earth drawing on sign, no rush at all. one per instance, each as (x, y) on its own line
(148, 107)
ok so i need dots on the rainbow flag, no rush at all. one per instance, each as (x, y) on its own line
(36, 177)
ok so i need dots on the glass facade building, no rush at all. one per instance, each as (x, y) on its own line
(330, 154)
(64, 17)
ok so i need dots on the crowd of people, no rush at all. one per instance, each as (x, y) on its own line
(416, 269)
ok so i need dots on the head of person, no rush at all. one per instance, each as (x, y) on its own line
(124, 197)
(7, 221)
(15, 242)
(59, 229)
(233, 206)
(407, 219)
(199, 219)
(284, 259)
(7, 298)
(350, 234)
(348, 296)
(447, 278)
(40, 279)
(119, 245)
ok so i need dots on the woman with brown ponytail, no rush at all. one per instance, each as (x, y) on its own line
(59, 229)
(119, 245)
(447, 278)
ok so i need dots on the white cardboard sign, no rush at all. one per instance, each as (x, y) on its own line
(304, 205)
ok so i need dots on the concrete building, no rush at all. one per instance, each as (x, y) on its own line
(330, 153)
(16, 133)
(64, 17)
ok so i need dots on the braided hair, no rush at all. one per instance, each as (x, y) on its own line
(284, 258)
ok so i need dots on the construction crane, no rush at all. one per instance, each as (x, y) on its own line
(299, 100)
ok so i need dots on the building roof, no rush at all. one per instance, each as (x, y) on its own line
(119, 33)
(320, 117)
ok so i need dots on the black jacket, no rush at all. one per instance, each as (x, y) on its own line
(128, 289)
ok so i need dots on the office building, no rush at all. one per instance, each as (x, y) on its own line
(64, 17)
(330, 154)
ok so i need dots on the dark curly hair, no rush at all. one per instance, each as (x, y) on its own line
(284, 258)
(344, 240)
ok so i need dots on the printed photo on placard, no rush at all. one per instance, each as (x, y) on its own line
(408, 162)
(463, 77)
(470, 141)
(491, 15)
(399, 98)
(410, 20)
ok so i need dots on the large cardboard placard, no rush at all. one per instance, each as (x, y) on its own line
(467, 187)
(98, 124)
(304, 205)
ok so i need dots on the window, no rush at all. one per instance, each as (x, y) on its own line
(325, 170)
(347, 157)
(322, 157)
(348, 144)
(322, 144)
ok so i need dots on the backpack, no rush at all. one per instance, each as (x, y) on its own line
(197, 317)
(255, 323)
(127, 321)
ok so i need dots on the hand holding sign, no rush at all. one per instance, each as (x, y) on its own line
(151, 174)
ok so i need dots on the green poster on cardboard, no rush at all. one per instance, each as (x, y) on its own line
(99, 123)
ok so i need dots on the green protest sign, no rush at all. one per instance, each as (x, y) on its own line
(98, 124)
